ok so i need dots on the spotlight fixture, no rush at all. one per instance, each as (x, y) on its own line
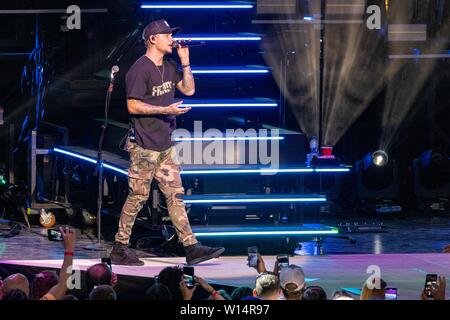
(375, 171)
(377, 182)
(432, 180)
(378, 158)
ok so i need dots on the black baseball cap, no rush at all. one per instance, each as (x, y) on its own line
(157, 27)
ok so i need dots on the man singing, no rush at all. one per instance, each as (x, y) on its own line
(150, 85)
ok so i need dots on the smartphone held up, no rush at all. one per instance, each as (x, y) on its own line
(252, 259)
(188, 276)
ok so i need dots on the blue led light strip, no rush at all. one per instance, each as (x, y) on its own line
(125, 172)
(228, 138)
(75, 155)
(90, 160)
(332, 170)
(230, 71)
(262, 233)
(254, 200)
(209, 171)
(245, 171)
(196, 5)
(216, 38)
(210, 105)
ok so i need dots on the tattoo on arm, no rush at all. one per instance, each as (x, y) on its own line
(142, 108)
(188, 83)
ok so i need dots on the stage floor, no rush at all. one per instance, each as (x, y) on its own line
(403, 271)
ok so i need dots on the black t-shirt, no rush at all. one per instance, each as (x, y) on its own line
(154, 85)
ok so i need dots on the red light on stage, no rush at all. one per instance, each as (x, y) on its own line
(326, 152)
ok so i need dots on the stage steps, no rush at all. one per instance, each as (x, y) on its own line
(240, 193)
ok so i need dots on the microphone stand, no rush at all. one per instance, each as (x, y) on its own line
(99, 246)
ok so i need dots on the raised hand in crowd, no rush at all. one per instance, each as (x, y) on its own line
(438, 291)
(260, 265)
(208, 288)
(59, 290)
(185, 291)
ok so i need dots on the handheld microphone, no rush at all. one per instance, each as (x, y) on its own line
(180, 44)
(114, 70)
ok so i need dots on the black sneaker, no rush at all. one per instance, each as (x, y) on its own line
(197, 253)
(122, 255)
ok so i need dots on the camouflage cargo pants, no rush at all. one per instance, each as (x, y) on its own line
(144, 165)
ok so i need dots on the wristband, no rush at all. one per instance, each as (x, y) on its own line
(68, 253)
(185, 65)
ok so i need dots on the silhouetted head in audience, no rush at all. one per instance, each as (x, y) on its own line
(97, 275)
(241, 292)
(267, 286)
(376, 290)
(223, 293)
(341, 295)
(292, 281)
(42, 283)
(16, 281)
(171, 277)
(158, 291)
(314, 293)
(103, 292)
(15, 294)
